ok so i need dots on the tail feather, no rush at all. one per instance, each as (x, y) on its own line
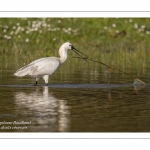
(23, 71)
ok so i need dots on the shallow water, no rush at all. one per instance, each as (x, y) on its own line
(73, 104)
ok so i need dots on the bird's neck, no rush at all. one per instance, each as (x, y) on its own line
(63, 54)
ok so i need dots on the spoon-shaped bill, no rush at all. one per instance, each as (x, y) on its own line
(77, 52)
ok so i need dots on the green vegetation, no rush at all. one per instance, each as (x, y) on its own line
(120, 42)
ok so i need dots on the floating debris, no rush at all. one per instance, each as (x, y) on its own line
(138, 82)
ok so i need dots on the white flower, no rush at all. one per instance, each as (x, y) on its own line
(18, 24)
(114, 25)
(69, 29)
(22, 29)
(33, 25)
(143, 26)
(44, 24)
(8, 37)
(27, 40)
(117, 31)
(40, 31)
(136, 26)
(35, 29)
(27, 32)
(105, 27)
(130, 20)
(12, 32)
(59, 21)
(48, 25)
(14, 27)
(5, 26)
(5, 36)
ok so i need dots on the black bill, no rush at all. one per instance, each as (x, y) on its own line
(78, 53)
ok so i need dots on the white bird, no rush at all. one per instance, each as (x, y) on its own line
(43, 67)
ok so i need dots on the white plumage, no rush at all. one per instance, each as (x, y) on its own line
(44, 67)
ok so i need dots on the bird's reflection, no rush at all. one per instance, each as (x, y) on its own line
(44, 109)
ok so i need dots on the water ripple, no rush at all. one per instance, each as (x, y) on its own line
(75, 85)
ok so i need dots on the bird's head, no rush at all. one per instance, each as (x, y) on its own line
(69, 46)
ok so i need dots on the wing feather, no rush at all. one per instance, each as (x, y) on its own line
(40, 67)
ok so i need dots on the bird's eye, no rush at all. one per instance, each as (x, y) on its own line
(71, 46)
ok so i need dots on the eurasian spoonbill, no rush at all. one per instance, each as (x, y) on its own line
(44, 67)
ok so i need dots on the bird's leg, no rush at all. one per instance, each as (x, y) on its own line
(46, 77)
(36, 82)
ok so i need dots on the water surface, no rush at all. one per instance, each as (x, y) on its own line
(73, 104)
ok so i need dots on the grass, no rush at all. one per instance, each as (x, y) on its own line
(120, 42)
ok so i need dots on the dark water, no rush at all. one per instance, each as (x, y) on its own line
(76, 103)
